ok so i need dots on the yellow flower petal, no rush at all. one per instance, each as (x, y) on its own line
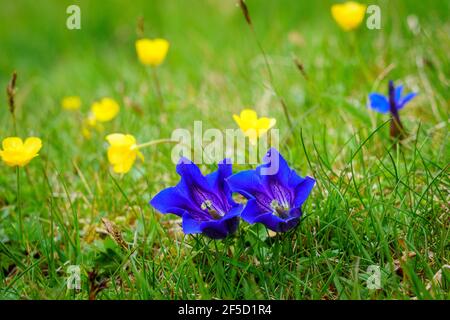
(119, 139)
(12, 143)
(265, 124)
(247, 119)
(117, 155)
(251, 126)
(32, 145)
(104, 110)
(123, 167)
(122, 152)
(249, 114)
(71, 103)
(13, 159)
(152, 52)
(17, 153)
(348, 15)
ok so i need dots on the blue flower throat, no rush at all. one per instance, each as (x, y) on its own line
(280, 210)
(208, 206)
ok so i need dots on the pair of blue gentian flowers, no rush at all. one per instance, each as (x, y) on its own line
(206, 205)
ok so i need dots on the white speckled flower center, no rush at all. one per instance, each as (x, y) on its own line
(209, 207)
(279, 210)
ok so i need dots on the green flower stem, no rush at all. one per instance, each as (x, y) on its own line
(158, 88)
(14, 124)
(18, 204)
(154, 142)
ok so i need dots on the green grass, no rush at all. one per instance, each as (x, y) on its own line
(372, 205)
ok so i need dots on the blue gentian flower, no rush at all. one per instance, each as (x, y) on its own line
(381, 103)
(274, 198)
(204, 202)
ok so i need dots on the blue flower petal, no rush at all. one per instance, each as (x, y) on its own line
(191, 175)
(170, 200)
(194, 186)
(216, 179)
(277, 177)
(277, 224)
(406, 99)
(247, 183)
(295, 179)
(295, 212)
(253, 210)
(275, 167)
(190, 224)
(398, 94)
(379, 103)
(234, 212)
(216, 229)
(303, 190)
(219, 229)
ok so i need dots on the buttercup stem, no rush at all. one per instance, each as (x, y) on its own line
(153, 142)
(14, 124)
(18, 204)
(158, 88)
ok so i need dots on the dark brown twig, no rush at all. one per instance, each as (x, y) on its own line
(300, 67)
(140, 27)
(11, 92)
(245, 11)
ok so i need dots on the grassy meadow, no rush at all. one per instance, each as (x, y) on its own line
(373, 203)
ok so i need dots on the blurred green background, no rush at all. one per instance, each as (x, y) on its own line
(209, 42)
(35, 40)
(366, 204)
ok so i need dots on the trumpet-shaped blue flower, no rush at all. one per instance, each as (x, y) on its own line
(274, 191)
(380, 103)
(204, 202)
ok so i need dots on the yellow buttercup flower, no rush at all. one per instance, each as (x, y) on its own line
(17, 153)
(104, 110)
(252, 126)
(152, 52)
(348, 15)
(122, 152)
(71, 103)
